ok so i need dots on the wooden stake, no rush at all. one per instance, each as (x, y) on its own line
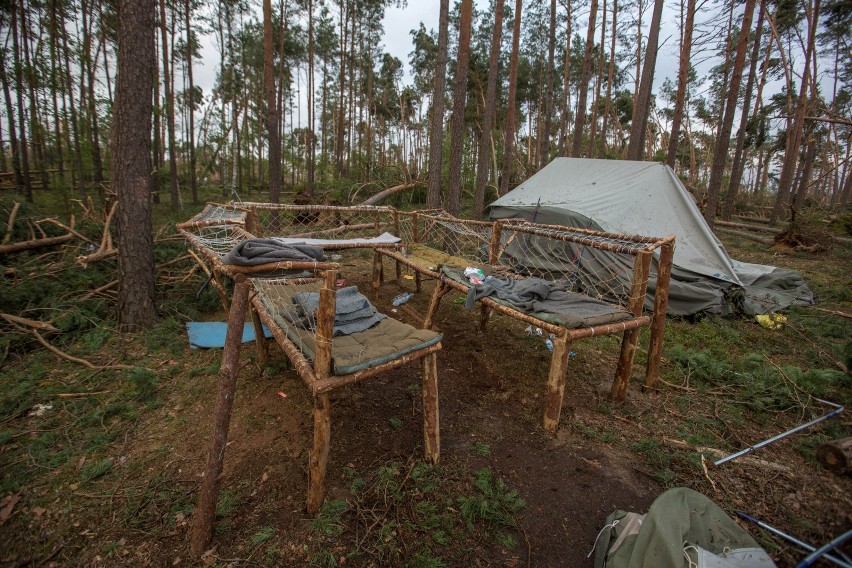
(556, 383)
(11, 223)
(259, 338)
(204, 513)
(318, 460)
(431, 417)
(658, 324)
(440, 290)
(641, 269)
(325, 325)
(377, 272)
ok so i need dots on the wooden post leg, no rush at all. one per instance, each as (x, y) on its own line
(431, 421)
(377, 272)
(439, 292)
(259, 339)
(398, 273)
(484, 315)
(658, 324)
(556, 383)
(417, 282)
(625, 364)
(203, 522)
(318, 460)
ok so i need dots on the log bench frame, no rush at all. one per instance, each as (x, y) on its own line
(642, 248)
(318, 376)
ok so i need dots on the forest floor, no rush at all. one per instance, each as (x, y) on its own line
(106, 471)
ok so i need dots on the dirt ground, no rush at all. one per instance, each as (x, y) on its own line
(492, 388)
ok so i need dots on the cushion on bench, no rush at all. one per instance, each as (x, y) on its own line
(386, 341)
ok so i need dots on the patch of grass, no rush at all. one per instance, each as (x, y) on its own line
(493, 504)
(328, 520)
(263, 535)
(97, 469)
(396, 423)
(322, 559)
(481, 449)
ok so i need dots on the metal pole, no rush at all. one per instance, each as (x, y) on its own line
(837, 410)
(801, 544)
(821, 553)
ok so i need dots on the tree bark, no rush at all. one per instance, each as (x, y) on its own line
(739, 161)
(583, 88)
(131, 163)
(488, 113)
(544, 148)
(271, 106)
(459, 100)
(642, 104)
(19, 91)
(510, 109)
(682, 81)
(193, 181)
(170, 109)
(436, 135)
(13, 135)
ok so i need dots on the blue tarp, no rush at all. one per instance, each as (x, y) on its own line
(209, 334)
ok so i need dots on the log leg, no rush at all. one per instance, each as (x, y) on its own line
(204, 513)
(556, 383)
(417, 282)
(318, 460)
(658, 324)
(625, 364)
(431, 421)
(259, 339)
(484, 316)
(377, 272)
(223, 295)
(398, 273)
(439, 292)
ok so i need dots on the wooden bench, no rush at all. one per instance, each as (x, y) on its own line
(321, 360)
(435, 243)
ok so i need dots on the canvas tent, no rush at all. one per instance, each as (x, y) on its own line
(647, 198)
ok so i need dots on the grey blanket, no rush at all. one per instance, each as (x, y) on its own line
(253, 252)
(536, 295)
(353, 311)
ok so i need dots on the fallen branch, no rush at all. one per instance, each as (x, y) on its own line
(749, 236)
(388, 192)
(759, 228)
(67, 357)
(832, 312)
(100, 290)
(67, 228)
(106, 250)
(11, 223)
(35, 324)
(34, 244)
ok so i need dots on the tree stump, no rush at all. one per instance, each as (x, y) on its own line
(836, 456)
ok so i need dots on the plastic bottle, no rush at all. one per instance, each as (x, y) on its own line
(402, 298)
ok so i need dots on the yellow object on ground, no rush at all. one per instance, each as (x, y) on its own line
(771, 321)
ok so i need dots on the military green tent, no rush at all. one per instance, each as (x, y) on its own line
(647, 198)
(682, 529)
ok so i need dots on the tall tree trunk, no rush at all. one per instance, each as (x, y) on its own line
(10, 115)
(75, 131)
(739, 161)
(170, 109)
(341, 100)
(193, 182)
(566, 96)
(131, 163)
(720, 152)
(459, 100)
(682, 81)
(488, 112)
(598, 80)
(794, 130)
(436, 134)
(271, 106)
(642, 104)
(510, 107)
(35, 127)
(609, 79)
(19, 92)
(311, 150)
(56, 87)
(583, 87)
(544, 148)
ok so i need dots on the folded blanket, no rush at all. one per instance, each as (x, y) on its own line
(253, 252)
(522, 294)
(353, 311)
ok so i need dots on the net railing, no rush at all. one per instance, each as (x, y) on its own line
(318, 221)
(439, 230)
(612, 267)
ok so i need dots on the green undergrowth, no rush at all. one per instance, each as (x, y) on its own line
(416, 514)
